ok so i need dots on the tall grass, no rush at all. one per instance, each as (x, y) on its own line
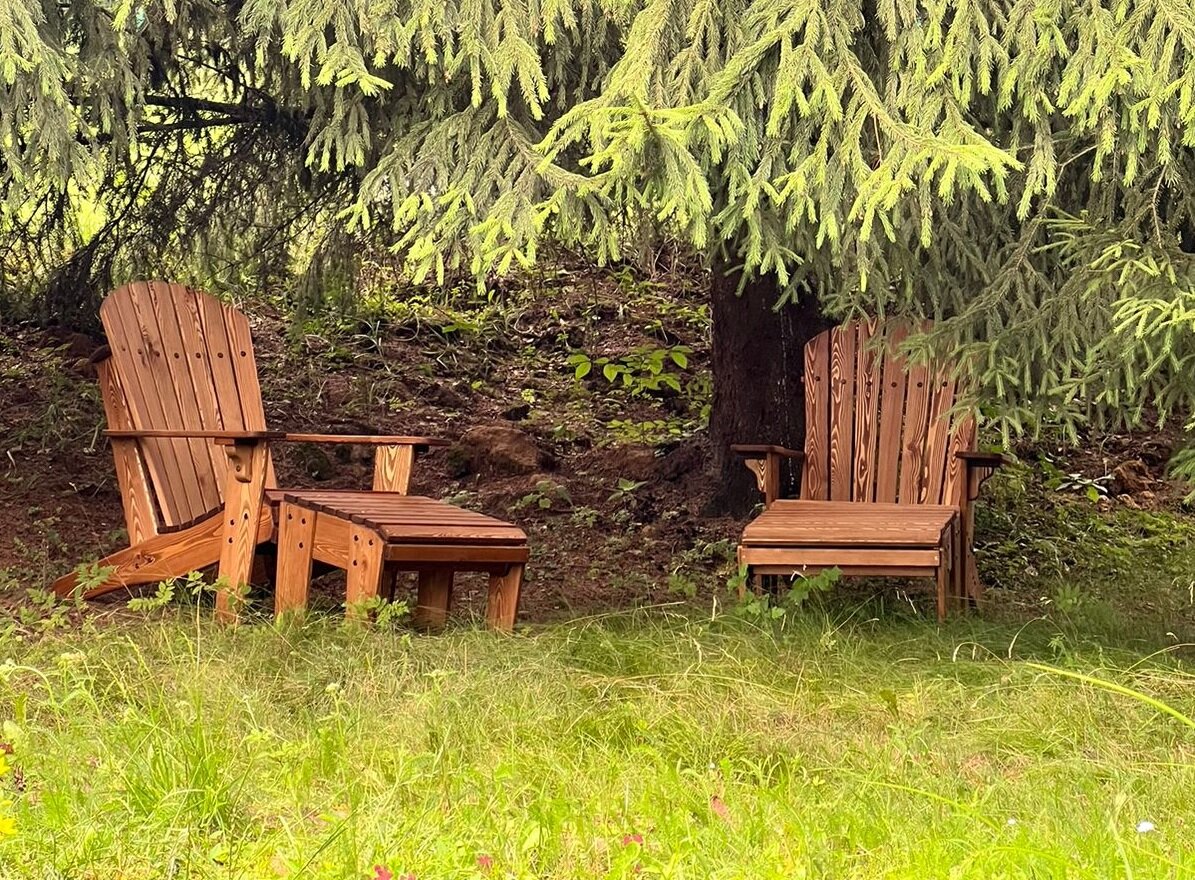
(644, 745)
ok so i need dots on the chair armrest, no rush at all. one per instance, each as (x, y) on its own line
(224, 438)
(980, 466)
(754, 450)
(763, 460)
(984, 459)
(364, 439)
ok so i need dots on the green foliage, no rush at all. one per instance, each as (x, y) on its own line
(625, 490)
(652, 431)
(191, 584)
(644, 370)
(660, 745)
(547, 495)
(162, 597)
(1094, 488)
(1021, 169)
(383, 613)
(791, 596)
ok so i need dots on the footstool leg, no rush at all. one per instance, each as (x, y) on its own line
(434, 599)
(503, 604)
(943, 579)
(366, 562)
(296, 535)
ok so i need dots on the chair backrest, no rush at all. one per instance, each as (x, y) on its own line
(876, 429)
(180, 360)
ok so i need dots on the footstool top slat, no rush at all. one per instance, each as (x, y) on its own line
(411, 518)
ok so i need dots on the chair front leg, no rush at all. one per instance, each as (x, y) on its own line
(244, 494)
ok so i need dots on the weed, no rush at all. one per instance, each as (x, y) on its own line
(585, 517)
(546, 495)
(645, 370)
(625, 490)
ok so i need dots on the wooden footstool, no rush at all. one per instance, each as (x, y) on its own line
(873, 540)
(373, 534)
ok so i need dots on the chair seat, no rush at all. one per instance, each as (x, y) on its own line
(409, 519)
(791, 523)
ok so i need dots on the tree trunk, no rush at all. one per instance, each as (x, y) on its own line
(759, 364)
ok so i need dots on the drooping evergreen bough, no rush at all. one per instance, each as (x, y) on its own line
(1021, 170)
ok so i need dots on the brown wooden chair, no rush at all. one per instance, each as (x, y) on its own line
(888, 480)
(192, 451)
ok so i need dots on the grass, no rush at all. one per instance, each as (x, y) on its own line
(650, 744)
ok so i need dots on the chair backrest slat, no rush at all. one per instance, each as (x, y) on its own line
(868, 367)
(815, 473)
(892, 417)
(876, 430)
(184, 361)
(939, 440)
(915, 435)
(842, 411)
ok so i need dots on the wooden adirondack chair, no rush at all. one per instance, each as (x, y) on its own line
(190, 442)
(887, 481)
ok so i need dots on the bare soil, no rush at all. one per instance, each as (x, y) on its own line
(440, 364)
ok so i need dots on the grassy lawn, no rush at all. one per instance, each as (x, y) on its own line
(649, 744)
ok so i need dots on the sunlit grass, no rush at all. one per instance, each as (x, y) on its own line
(171, 748)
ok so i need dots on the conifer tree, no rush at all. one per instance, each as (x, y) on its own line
(1021, 170)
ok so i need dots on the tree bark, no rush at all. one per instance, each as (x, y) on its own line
(758, 364)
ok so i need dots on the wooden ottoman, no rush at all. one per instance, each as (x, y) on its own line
(374, 534)
(873, 540)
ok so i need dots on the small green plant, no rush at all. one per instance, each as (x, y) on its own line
(463, 498)
(683, 583)
(1055, 478)
(546, 495)
(625, 490)
(644, 370)
(586, 517)
(384, 613)
(90, 575)
(1067, 597)
(162, 597)
(652, 431)
(800, 587)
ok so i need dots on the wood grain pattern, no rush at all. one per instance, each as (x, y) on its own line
(363, 579)
(502, 606)
(296, 548)
(815, 472)
(938, 438)
(194, 496)
(830, 556)
(190, 387)
(458, 557)
(332, 536)
(162, 557)
(195, 385)
(129, 354)
(842, 411)
(894, 383)
(868, 376)
(140, 518)
(392, 467)
(433, 599)
(843, 523)
(213, 318)
(913, 438)
(244, 495)
(884, 473)
(962, 439)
